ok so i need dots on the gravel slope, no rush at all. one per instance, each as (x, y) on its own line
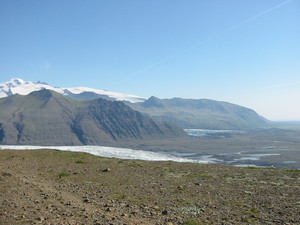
(56, 187)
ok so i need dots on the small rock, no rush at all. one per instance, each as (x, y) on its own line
(86, 200)
(40, 218)
(165, 212)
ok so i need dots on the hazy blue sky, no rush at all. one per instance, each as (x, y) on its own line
(245, 52)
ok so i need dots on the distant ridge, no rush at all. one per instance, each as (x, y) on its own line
(47, 118)
(19, 86)
(201, 113)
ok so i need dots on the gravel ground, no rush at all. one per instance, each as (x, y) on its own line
(56, 187)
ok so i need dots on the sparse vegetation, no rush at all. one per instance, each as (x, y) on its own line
(293, 170)
(63, 174)
(199, 176)
(192, 222)
(254, 211)
(50, 184)
(252, 167)
(119, 196)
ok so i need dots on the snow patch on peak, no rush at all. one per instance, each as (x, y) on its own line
(41, 82)
(14, 82)
(19, 86)
(17, 80)
(115, 95)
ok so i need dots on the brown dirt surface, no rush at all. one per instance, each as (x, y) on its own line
(56, 187)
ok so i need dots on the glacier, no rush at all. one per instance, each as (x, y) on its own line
(21, 87)
(113, 152)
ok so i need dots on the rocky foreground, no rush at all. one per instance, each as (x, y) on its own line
(56, 187)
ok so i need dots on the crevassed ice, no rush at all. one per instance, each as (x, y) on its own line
(112, 152)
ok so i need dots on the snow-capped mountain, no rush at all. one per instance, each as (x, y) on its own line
(21, 87)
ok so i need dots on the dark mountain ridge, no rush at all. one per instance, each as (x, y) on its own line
(186, 113)
(48, 118)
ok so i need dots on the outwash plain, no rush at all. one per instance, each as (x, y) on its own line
(57, 187)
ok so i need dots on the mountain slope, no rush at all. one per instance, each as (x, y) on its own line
(19, 86)
(48, 118)
(186, 113)
(202, 113)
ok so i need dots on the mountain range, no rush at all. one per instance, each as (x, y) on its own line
(185, 113)
(48, 118)
(21, 87)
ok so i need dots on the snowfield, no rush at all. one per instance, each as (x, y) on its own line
(21, 87)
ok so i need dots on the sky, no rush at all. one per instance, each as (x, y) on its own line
(244, 52)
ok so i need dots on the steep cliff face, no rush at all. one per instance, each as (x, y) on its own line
(48, 118)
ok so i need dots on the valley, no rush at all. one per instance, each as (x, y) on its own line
(265, 148)
(230, 134)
